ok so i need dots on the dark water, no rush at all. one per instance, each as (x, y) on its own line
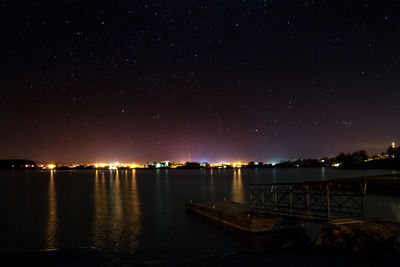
(141, 212)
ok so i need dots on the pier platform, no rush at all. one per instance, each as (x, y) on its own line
(239, 216)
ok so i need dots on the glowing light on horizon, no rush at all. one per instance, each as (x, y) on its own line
(237, 165)
(51, 166)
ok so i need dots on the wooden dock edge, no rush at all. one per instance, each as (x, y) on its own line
(238, 216)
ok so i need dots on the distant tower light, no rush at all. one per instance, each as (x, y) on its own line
(393, 145)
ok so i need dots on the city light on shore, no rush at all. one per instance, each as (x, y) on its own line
(51, 166)
(340, 161)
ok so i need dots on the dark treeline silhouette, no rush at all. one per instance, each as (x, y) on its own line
(79, 167)
(253, 164)
(356, 160)
(393, 152)
(388, 163)
(302, 163)
(355, 157)
(388, 160)
(193, 165)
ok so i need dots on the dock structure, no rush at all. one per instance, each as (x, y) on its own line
(239, 215)
(310, 201)
(338, 207)
(276, 207)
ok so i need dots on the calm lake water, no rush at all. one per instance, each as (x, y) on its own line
(141, 212)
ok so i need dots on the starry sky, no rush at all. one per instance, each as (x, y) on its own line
(223, 80)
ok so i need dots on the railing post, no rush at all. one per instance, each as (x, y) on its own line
(262, 196)
(328, 203)
(251, 198)
(266, 197)
(308, 201)
(362, 194)
(290, 199)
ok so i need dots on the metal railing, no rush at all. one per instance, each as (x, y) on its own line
(309, 201)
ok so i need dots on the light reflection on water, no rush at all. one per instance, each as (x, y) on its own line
(134, 218)
(237, 187)
(140, 211)
(212, 185)
(274, 176)
(100, 210)
(51, 226)
(117, 211)
(323, 175)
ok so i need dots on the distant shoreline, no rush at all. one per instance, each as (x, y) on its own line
(183, 168)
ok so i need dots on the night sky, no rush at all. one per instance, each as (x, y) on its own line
(223, 80)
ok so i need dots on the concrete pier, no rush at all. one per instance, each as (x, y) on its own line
(239, 216)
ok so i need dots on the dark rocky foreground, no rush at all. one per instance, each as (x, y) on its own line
(368, 236)
(291, 256)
